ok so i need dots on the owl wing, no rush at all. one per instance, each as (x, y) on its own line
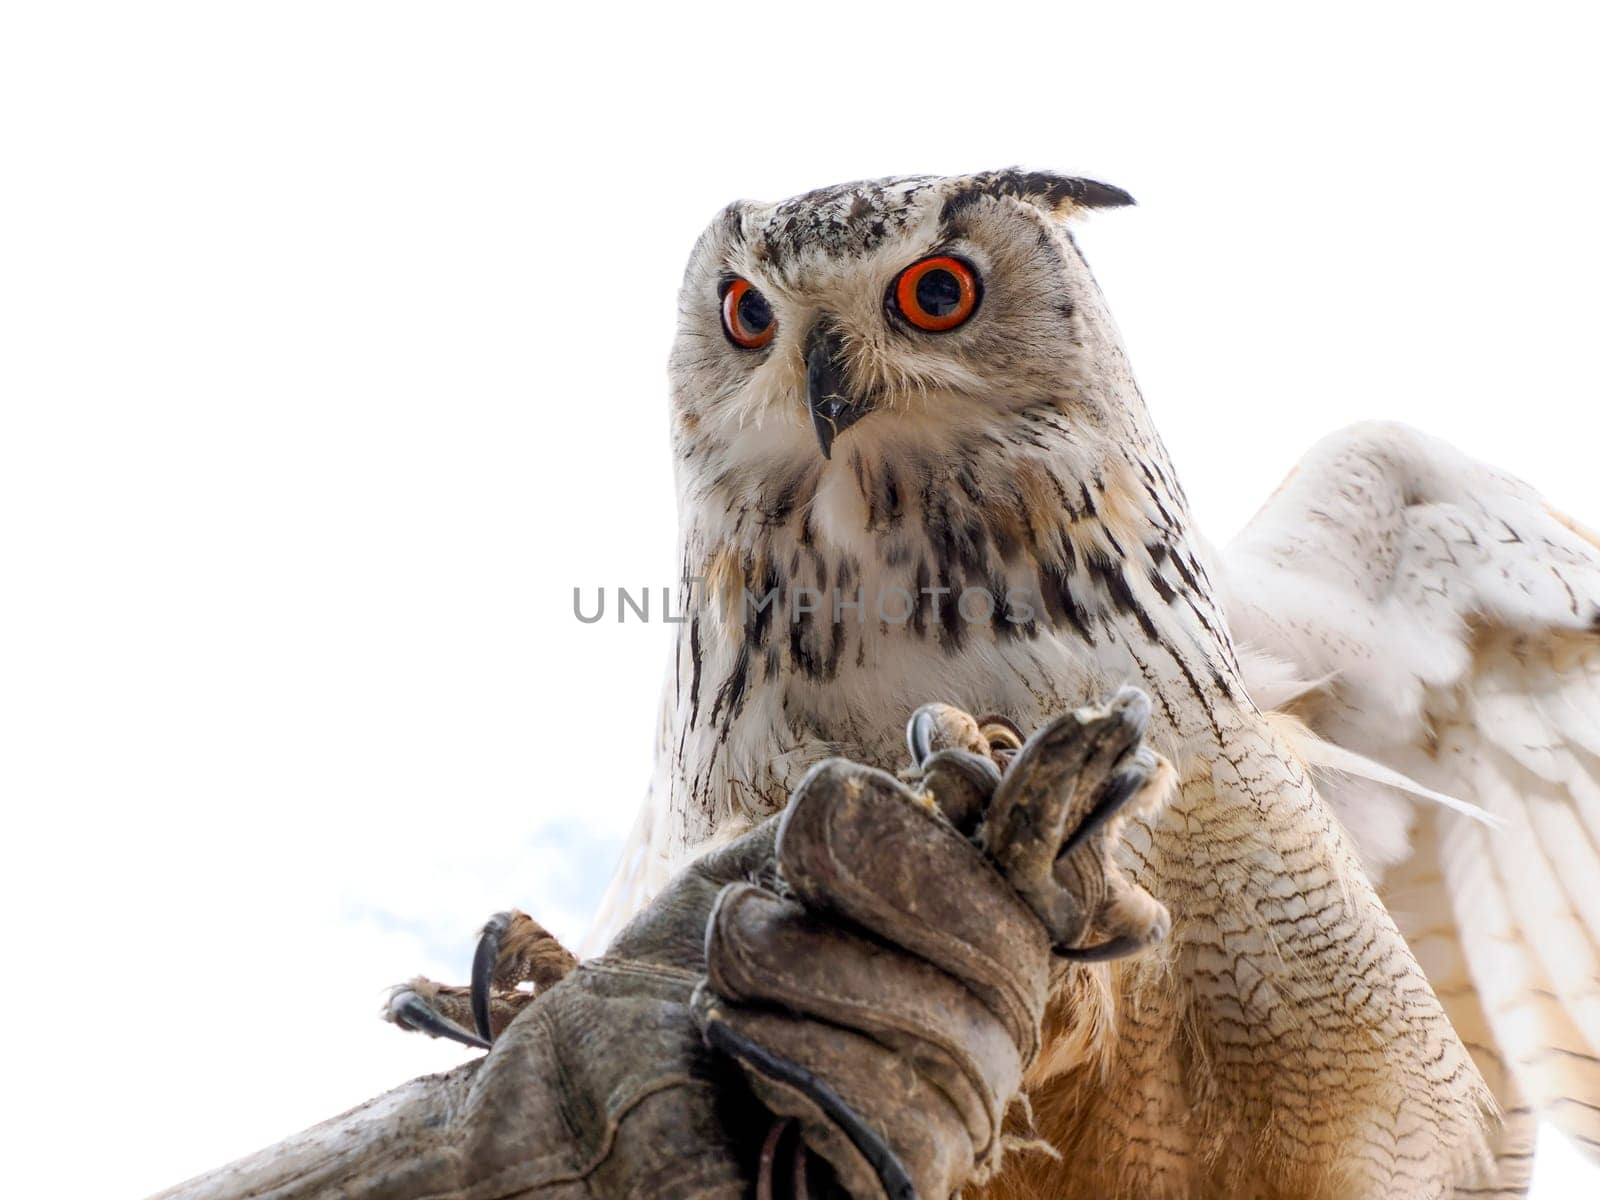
(1437, 627)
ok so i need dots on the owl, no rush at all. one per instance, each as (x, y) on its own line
(913, 464)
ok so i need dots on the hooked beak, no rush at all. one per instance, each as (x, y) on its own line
(833, 408)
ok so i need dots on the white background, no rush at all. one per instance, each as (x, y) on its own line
(333, 338)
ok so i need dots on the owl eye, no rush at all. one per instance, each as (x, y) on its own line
(746, 316)
(936, 294)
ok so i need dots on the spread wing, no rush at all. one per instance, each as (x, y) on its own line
(1435, 618)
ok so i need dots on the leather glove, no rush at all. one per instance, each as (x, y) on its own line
(869, 970)
(887, 990)
(871, 966)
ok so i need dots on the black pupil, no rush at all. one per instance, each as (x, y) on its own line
(755, 314)
(939, 292)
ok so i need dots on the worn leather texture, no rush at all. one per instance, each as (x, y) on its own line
(858, 965)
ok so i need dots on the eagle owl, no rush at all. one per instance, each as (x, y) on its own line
(913, 464)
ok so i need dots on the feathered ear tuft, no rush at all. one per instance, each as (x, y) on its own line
(1062, 195)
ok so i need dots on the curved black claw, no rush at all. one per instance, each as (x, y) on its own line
(1002, 733)
(919, 734)
(484, 960)
(1122, 786)
(410, 1011)
(1117, 947)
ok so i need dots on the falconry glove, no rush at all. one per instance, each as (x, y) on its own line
(843, 1000)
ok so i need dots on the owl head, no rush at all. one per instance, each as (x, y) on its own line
(900, 316)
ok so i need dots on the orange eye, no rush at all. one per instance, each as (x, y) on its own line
(746, 316)
(936, 294)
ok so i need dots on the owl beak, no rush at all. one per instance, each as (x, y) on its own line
(833, 408)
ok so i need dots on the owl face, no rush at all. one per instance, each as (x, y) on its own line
(895, 316)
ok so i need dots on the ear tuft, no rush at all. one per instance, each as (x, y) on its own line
(1063, 195)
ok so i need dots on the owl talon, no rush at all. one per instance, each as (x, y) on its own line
(1000, 732)
(935, 727)
(1114, 948)
(513, 949)
(1125, 783)
(920, 732)
(484, 961)
(409, 1010)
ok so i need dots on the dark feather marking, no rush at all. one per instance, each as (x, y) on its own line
(956, 538)
(1068, 552)
(694, 675)
(835, 650)
(891, 495)
(952, 632)
(1021, 506)
(1056, 589)
(1188, 567)
(969, 481)
(1061, 494)
(800, 656)
(804, 653)
(1194, 684)
(677, 659)
(1003, 618)
(1222, 684)
(1160, 694)
(1163, 589)
(1002, 532)
(758, 620)
(731, 693)
(788, 495)
(1188, 576)
(847, 572)
(1110, 575)
(1205, 623)
(1167, 521)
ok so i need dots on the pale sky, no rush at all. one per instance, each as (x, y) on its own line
(332, 344)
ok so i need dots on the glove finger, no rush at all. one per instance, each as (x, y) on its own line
(961, 784)
(761, 949)
(672, 931)
(1064, 786)
(1041, 800)
(855, 843)
(884, 1129)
